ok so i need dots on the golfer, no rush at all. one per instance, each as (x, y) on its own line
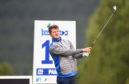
(64, 56)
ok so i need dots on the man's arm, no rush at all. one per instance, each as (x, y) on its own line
(56, 50)
(80, 55)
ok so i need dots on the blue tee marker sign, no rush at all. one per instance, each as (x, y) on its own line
(43, 65)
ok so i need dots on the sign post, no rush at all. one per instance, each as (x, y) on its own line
(43, 66)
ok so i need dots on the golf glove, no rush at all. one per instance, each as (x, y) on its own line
(85, 54)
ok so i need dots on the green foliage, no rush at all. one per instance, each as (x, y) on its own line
(6, 69)
(109, 59)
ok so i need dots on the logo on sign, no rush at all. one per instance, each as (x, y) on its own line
(45, 32)
(40, 71)
(38, 79)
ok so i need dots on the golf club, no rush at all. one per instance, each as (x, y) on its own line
(103, 27)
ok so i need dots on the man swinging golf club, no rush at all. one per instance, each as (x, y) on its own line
(64, 56)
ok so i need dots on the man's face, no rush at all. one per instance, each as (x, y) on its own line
(55, 33)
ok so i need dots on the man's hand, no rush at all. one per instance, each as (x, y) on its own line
(88, 49)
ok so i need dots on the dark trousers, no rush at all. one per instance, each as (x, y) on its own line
(67, 80)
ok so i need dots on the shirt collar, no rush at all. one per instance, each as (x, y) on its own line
(56, 40)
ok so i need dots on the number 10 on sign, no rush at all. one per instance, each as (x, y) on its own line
(47, 56)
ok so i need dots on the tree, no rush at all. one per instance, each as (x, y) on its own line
(6, 69)
(109, 59)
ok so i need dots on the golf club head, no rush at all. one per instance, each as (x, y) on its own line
(115, 8)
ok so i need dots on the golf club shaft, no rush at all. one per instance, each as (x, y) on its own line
(104, 26)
